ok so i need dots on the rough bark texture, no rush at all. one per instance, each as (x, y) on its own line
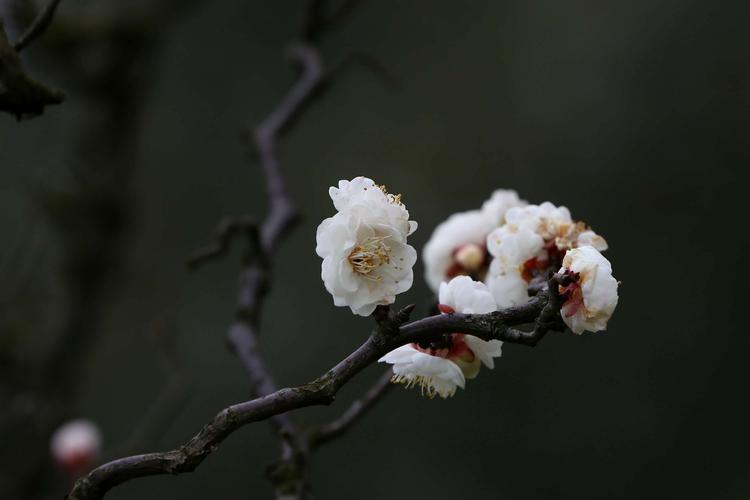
(543, 310)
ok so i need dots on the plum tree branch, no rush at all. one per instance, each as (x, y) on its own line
(38, 26)
(354, 413)
(498, 325)
(254, 279)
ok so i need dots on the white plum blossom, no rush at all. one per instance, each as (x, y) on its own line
(499, 203)
(442, 366)
(533, 240)
(366, 259)
(467, 296)
(75, 446)
(457, 246)
(589, 289)
(363, 198)
(435, 375)
(507, 284)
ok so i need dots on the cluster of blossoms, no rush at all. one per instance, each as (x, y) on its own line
(538, 238)
(478, 261)
(458, 246)
(438, 367)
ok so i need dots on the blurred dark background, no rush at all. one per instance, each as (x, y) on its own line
(632, 114)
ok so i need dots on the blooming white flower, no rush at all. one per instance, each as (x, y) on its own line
(363, 198)
(75, 445)
(507, 284)
(467, 296)
(591, 291)
(532, 241)
(442, 366)
(366, 260)
(499, 203)
(435, 375)
(457, 245)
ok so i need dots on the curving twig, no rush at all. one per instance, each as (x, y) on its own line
(242, 336)
(38, 26)
(354, 413)
(496, 325)
(226, 231)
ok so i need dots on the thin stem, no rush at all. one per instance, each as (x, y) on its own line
(321, 391)
(38, 26)
(354, 413)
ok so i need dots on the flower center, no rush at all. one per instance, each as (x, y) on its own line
(451, 346)
(536, 267)
(368, 256)
(469, 260)
(570, 289)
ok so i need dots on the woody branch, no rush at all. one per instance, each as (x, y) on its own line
(542, 310)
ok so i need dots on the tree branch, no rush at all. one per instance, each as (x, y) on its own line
(38, 26)
(282, 214)
(496, 325)
(254, 280)
(356, 411)
(225, 233)
(21, 95)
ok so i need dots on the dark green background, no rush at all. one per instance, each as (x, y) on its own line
(633, 114)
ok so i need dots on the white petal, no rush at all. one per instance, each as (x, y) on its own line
(485, 350)
(598, 286)
(507, 285)
(467, 296)
(458, 230)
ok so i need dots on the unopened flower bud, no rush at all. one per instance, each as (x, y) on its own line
(470, 257)
(75, 446)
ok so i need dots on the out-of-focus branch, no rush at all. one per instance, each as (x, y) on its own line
(290, 476)
(254, 277)
(20, 95)
(38, 26)
(282, 214)
(356, 411)
(91, 215)
(228, 229)
(499, 325)
(263, 239)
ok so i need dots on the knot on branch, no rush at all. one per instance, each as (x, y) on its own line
(323, 389)
(388, 322)
(287, 476)
(83, 489)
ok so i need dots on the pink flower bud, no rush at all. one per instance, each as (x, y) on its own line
(75, 446)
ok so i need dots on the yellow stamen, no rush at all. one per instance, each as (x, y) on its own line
(392, 198)
(425, 384)
(369, 256)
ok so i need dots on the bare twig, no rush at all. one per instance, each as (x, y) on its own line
(496, 325)
(38, 26)
(21, 95)
(225, 233)
(358, 409)
(282, 214)
(368, 62)
(253, 286)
